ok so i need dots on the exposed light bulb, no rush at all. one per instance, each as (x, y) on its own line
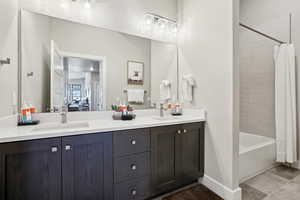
(174, 28)
(148, 19)
(92, 69)
(162, 24)
(87, 4)
(63, 4)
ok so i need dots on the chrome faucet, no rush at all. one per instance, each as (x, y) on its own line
(64, 114)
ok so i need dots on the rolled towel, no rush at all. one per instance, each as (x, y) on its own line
(165, 90)
(188, 83)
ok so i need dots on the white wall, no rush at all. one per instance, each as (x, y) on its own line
(8, 49)
(36, 37)
(119, 15)
(207, 51)
(163, 67)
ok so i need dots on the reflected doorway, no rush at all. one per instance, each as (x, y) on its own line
(84, 84)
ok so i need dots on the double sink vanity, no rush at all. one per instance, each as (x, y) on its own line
(94, 157)
(91, 156)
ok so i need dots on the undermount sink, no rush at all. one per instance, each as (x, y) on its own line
(60, 126)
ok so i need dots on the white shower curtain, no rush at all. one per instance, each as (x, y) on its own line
(285, 103)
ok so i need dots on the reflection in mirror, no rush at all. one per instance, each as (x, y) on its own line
(84, 88)
(89, 68)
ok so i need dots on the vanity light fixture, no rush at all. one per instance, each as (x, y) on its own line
(159, 23)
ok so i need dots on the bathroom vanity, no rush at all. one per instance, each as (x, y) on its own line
(108, 160)
(93, 157)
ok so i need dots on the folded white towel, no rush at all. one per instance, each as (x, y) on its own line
(188, 83)
(135, 95)
(165, 90)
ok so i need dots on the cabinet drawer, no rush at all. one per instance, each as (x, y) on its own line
(131, 142)
(131, 167)
(138, 189)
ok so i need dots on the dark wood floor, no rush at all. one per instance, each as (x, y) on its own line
(198, 192)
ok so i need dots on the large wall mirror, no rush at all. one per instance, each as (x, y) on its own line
(90, 68)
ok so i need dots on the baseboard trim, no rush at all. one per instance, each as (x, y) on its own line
(220, 189)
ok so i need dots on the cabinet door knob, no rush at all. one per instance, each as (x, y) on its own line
(133, 192)
(54, 149)
(179, 132)
(184, 131)
(67, 147)
(133, 167)
(133, 142)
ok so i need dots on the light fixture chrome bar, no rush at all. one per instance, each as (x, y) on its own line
(162, 17)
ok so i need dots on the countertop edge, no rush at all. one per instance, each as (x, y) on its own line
(67, 133)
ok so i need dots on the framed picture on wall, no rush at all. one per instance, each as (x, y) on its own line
(135, 73)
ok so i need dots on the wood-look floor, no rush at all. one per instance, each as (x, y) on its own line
(198, 192)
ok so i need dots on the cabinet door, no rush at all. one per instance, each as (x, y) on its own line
(31, 170)
(191, 151)
(87, 167)
(163, 158)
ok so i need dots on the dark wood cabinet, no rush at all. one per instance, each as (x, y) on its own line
(128, 165)
(132, 164)
(87, 167)
(68, 168)
(136, 189)
(163, 158)
(131, 142)
(177, 156)
(191, 152)
(31, 170)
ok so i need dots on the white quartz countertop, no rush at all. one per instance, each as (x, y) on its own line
(95, 124)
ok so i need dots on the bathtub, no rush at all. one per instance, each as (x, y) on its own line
(256, 155)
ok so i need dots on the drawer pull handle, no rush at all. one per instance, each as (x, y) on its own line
(179, 132)
(68, 148)
(133, 142)
(133, 192)
(133, 167)
(184, 131)
(54, 149)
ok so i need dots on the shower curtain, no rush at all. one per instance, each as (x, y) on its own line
(285, 103)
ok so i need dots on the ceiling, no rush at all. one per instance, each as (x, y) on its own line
(82, 65)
